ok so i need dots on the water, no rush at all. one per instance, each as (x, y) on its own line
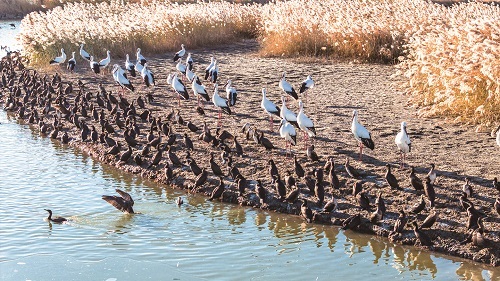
(8, 35)
(198, 241)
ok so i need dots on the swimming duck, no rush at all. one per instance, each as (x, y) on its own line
(124, 202)
(179, 201)
(55, 219)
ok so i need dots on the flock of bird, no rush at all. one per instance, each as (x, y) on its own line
(40, 98)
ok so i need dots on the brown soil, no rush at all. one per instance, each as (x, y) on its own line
(340, 87)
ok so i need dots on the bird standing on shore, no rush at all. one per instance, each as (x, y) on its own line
(306, 86)
(119, 77)
(130, 67)
(287, 87)
(231, 93)
(207, 70)
(84, 53)
(498, 135)
(103, 64)
(221, 103)
(305, 124)
(180, 53)
(287, 114)
(213, 73)
(140, 58)
(94, 65)
(269, 107)
(403, 142)
(361, 134)
(60, 59)
(287, 131)
(71, 62)
(147, 76)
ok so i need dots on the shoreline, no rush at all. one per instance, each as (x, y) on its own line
(249, 74)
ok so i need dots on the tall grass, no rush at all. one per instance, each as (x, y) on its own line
(154, 27)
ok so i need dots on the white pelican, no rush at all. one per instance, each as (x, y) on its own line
(207, 70)
(269, 107)
(84, 53)
(214, 72)
(60, 59)
(403, 142)
(361, 134)
(287, 88)
(130, 67)
(181, 67)
(190, 74)
(221, 103)
(147, 76)
(287, 114)
(180, 53)
(231, 93)
(306, 85)
(94, 65)
(287, 131)
(140, 58)
(106, 61)
(305, 124)
(71, 62)
(189, 62)
(119, 76)
(199, 89)
(179, 88)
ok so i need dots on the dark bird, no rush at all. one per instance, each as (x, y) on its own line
(299, 171)
(312, 154)
(169, 174)
(188, 142)
(357, 187)
(429, 220)
(496, 184)
(265, 142)
(261, 192)
(421, 236)
(415, 181)
(179, 201)
(242, 183)
(319, 191)
(391, 179)
(464, 201)
(363, 201)
(376, 216)
(400, 223)
(157, 158)
(194, 167)
(200, 179)
(332, 176)
(496, 205)
(351, 222)
(350, 169)
(237, 147)
(289, 180)
(330, 206)
(280, 187)
(432, 174)
(215, 167)
(55, 219)
(473, 215)
(123, 202)
(379, 202)
(467, 188)
(192, 127)
(418, 207)
(429, 191)
(293, 195)
(173, 157)
(478, 238)
(273, 170)
(218, 191)
(306, 212)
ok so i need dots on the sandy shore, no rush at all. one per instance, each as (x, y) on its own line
(340, 88)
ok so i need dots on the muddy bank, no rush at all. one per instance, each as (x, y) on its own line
(456, 151)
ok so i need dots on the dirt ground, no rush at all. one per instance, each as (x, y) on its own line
(457, 151)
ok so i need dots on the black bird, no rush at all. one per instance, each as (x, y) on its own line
(293, 195)
(319, 191)
(318, 173)
(261, 192)
(379, 202)
(391, 179)
(418, 207)
(200, 179)
(312, 154)
(273, 170)
(306, 212)
(169, 174)
(192, 127)
(357, 187)
(432, 173)
(332, 176)
(215, 167)
(350, 169)
(237, 146)
(363, 201)
(478, 238)
(472, 219)
(496, 205)
(194, 167)
(429, 220)
(421, 236)
(351, 222)
(124, 202)
(265, 142)
(173, 157)
(330, 206)
(496, 184)
(429, 191)
(400, 223)
(138, 159)
(188, 142)
(242, 183)
(55, 219)
(299, 171)
(415, 181)
(280, 187)
(157, 158)
(289, 180)
(467, 188)
(218, 191)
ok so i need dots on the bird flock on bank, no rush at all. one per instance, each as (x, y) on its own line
(40, 99)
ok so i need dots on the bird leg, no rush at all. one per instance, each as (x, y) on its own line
(219, 123)
(360, 151)
(179, 99)
(271, 122)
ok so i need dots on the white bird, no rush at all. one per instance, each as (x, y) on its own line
(180, 53)
(190, 74)
(207, 70)
(231, 93)
(140, 58)
(179, 88)
(84, 53)
(147, 76)
(269, 107)
(287, 131)
(60, 59)
(138, 67)
(119, 76)
(221, 103)
(287, 88)
(361, 134)
(306, 85)
(498, 135)
(169, 79)
(94, 65)
(189, 61)
(71, 62)
(214, 72)
(403, 142)
(181, 67)
(106, 61)
(305, 124)
(287, 114)
(199, 89)
(130, 67)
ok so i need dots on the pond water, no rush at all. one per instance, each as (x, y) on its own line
(199, 240)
